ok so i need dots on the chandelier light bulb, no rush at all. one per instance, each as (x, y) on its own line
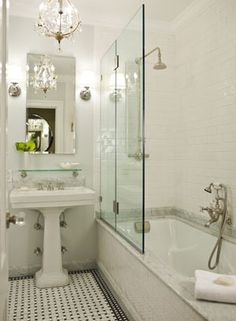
(58, 19)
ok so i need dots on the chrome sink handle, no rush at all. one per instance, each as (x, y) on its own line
(61, 186)
(40, 186)
(50, 186)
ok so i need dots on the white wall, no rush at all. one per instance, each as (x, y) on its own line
(206, 85)
(80, 236)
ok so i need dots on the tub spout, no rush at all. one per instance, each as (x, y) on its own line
(212, 220)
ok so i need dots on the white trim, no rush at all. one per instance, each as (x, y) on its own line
(124, 300)
(3, 162)
(59, 119)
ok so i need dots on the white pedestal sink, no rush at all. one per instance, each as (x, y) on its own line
(51, 204)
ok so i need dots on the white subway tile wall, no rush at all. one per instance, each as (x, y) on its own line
(206, 114)
(190, 108)
(161, 116)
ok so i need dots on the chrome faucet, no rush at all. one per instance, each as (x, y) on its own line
(60, 185)
(217, 209)
(40, 186)
(50, 186)
(214, 211)
(212, 220)
(218, 206)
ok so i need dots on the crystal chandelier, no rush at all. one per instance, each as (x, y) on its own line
(58, 19)
(44, 75)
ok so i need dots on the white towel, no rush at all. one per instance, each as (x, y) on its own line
(207, 287)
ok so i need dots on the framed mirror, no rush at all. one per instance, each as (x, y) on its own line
(50, 103)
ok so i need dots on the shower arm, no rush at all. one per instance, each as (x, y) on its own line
(153, 50)
(138, 60)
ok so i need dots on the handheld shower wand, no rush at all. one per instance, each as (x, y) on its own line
(216, 210)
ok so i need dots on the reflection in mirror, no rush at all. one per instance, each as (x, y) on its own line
(40, 129)
(50, 106)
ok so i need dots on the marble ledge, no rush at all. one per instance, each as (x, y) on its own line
(196, 220)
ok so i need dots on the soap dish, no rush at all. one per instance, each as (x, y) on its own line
(69, 165)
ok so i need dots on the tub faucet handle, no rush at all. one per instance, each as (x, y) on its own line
(212, 220)
(203, 209)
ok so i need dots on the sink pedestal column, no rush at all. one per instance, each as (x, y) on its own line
(52, 273)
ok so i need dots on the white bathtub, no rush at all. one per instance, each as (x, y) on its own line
(182, 247)
(160, 284)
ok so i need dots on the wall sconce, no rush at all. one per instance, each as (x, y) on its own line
(117, 84)
(87, 81)
(85, 93)
(14, 76)
(14, 89)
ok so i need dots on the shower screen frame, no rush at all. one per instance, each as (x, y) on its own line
(122, 174)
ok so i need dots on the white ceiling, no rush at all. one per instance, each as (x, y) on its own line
(117, 12)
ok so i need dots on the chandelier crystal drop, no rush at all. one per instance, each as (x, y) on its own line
(44, 75)
(58, 19)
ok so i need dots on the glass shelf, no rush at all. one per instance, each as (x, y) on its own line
(74, 171)
(50, 170)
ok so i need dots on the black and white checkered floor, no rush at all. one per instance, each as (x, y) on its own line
(86, 298)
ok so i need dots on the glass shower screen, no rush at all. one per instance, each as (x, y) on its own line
(122, 133)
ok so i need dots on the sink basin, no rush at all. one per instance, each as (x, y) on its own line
(51, 204)
(36, 199)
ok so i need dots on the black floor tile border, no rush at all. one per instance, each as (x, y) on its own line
(117, 310)
(119, 313)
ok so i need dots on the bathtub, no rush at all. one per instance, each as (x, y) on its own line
(182, 247)
(159, 285)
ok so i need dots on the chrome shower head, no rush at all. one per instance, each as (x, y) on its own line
(208, 188)
(159, 65)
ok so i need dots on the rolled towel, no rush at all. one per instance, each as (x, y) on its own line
(215, 287)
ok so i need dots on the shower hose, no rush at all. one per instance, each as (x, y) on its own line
(217, 248)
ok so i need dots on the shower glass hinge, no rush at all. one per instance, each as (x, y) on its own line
(117, 62)
(101, 78)
(100, 199)
(116, 207)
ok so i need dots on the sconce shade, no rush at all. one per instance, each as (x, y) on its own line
(87, 79)
(14, 73)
